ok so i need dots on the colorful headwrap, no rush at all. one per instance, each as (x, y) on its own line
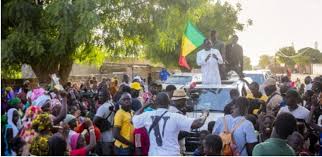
(14, 102)
(41, 101)
(37, 93)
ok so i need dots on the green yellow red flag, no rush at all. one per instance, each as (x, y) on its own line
(191, 40)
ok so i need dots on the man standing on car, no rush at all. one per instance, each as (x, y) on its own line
(234, 57)
(209, 59)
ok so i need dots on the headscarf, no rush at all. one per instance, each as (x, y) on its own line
(41, 100)
(37, 93)
(14, 102)
(73, 140)
(69, 118)
(11, 123)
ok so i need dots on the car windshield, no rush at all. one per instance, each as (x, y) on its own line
(182, 80)
(256, 78)
(214, 99)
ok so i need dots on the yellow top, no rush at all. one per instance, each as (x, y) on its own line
(123, 120)
(251, 96)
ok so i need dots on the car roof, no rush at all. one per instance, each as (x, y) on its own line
(254, 72)
(210, 86)
(186, 74)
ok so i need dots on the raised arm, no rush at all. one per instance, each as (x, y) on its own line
(199, 122)
(92, 138)
(63, 111)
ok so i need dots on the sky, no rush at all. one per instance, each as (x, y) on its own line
(279, 23)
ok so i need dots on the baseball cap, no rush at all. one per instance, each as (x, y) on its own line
(136, 86)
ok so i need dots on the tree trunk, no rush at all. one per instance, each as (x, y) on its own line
(42, 72)
(64, 70)
(62, 67)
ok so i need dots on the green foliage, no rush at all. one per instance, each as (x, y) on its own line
(283, 56)
(307, 56)
(165, 46)
(247, 63)
(52, 35)
(265, 60)
(11, 72)
(49, 35)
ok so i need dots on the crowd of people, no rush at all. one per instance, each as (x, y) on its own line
(126, 117)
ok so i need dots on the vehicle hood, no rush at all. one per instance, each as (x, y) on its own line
(213, 116)
(178, 86)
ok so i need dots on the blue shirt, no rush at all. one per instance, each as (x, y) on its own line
(244, 134)
(283, 103)
(164, 75)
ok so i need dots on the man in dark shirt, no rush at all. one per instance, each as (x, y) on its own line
(234, 94)
(234, 55)
(220, 46)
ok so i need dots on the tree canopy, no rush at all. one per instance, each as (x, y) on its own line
(304, 56)
(265, 61)
(247, 63)
(52, 35)
(283, 53)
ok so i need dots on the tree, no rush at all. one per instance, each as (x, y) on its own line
(307, 55)
(265, 61)
(165, 46)
(247, 63)
(52, 35)
(48, 35)
(284, 56)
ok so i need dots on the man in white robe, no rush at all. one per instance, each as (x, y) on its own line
(209, 59)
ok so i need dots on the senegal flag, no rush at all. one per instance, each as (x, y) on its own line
(191, 40)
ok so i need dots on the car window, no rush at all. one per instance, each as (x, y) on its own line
(181, 80)
(259, 78)
(211, 99)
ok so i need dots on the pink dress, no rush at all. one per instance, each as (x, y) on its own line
(142, 140)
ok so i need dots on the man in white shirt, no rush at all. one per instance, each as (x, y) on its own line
(163, 127)
(209, 59)
(105, 113)
(298, 111)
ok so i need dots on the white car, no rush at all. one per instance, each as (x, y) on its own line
(181, 80)
(259, 76)
(213, 98)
